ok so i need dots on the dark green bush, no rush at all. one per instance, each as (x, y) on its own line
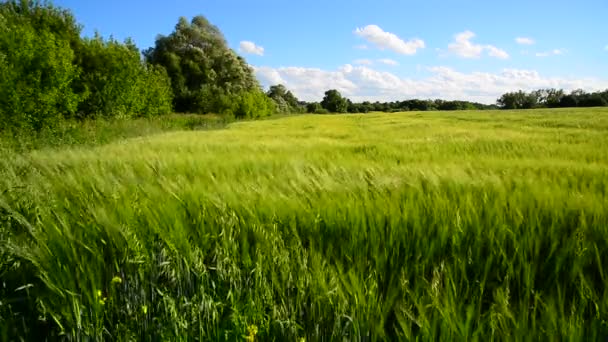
(36, 67)
(115, 82)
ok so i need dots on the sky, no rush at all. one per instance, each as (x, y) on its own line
(387, 50)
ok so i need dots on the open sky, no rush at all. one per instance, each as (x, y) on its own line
(388, 49)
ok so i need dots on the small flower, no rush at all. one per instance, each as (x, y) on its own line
(117, 280)
(144, 309)
(101, 299)
(252, 330)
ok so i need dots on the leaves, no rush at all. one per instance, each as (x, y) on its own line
(206, 75)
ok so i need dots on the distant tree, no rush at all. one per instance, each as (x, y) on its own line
(285, 101)
(313, 107)
(334, 102)
(353, 107)
(519, 100)
(552, 97)
(204, 71)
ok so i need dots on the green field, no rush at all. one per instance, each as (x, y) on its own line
(451, 226)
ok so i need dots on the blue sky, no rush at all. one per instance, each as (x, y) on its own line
(388, 49)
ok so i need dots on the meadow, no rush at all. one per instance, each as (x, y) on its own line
(470, 225)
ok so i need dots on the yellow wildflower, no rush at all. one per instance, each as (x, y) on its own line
(101, 299)
(252, 330)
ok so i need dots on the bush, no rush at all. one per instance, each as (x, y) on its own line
(116, 83)
(37, 69)
(48, 73)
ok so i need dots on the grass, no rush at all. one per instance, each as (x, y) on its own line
(103, 131)
(422, 225)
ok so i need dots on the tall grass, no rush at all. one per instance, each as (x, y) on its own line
(432, 226)
(70, 133)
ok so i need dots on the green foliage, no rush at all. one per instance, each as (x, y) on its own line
(552, 98)
(201, 67)
(334, 102)
(447, 226)
(285, 101)
(49, 73)
(313, 107)
(116, 83)
(253, 104)
(36, 64)
(407, 105)
(518, 100)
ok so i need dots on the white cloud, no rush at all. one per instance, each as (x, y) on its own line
(361, 47)
(525, 41)
(388, 61)
(463, 47)
(251, 48)
(363, 62)
(555, 52)
(496, 52)
(362, 83)
(386, 40)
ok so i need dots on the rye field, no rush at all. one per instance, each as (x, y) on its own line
(472, 226)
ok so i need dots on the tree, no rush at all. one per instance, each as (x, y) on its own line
(285, 101)
(201, 66)
(553, 97)
(116, 82)
(334, 102)
(313, 107)
(36, 65)
(519, 100)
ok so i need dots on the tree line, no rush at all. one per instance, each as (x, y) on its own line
(552, 98)
(49, 73)
(334, 102)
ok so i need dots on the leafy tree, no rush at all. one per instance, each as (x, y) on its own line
(519, 100)
(552, 98)
(334, 102)
(36, 65)
(116, 82)
(49, 73)
(285, 101)
(201, 66)
(313, 107)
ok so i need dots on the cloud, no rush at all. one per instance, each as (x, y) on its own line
(496, 52)
(463, 47)
(362, 83)
(250, 48)
(363, 62)
(388, 61)
(386, 40)
(525, 41)
(361, 47)
(555, 52)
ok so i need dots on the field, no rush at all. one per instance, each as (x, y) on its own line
(420, 225)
